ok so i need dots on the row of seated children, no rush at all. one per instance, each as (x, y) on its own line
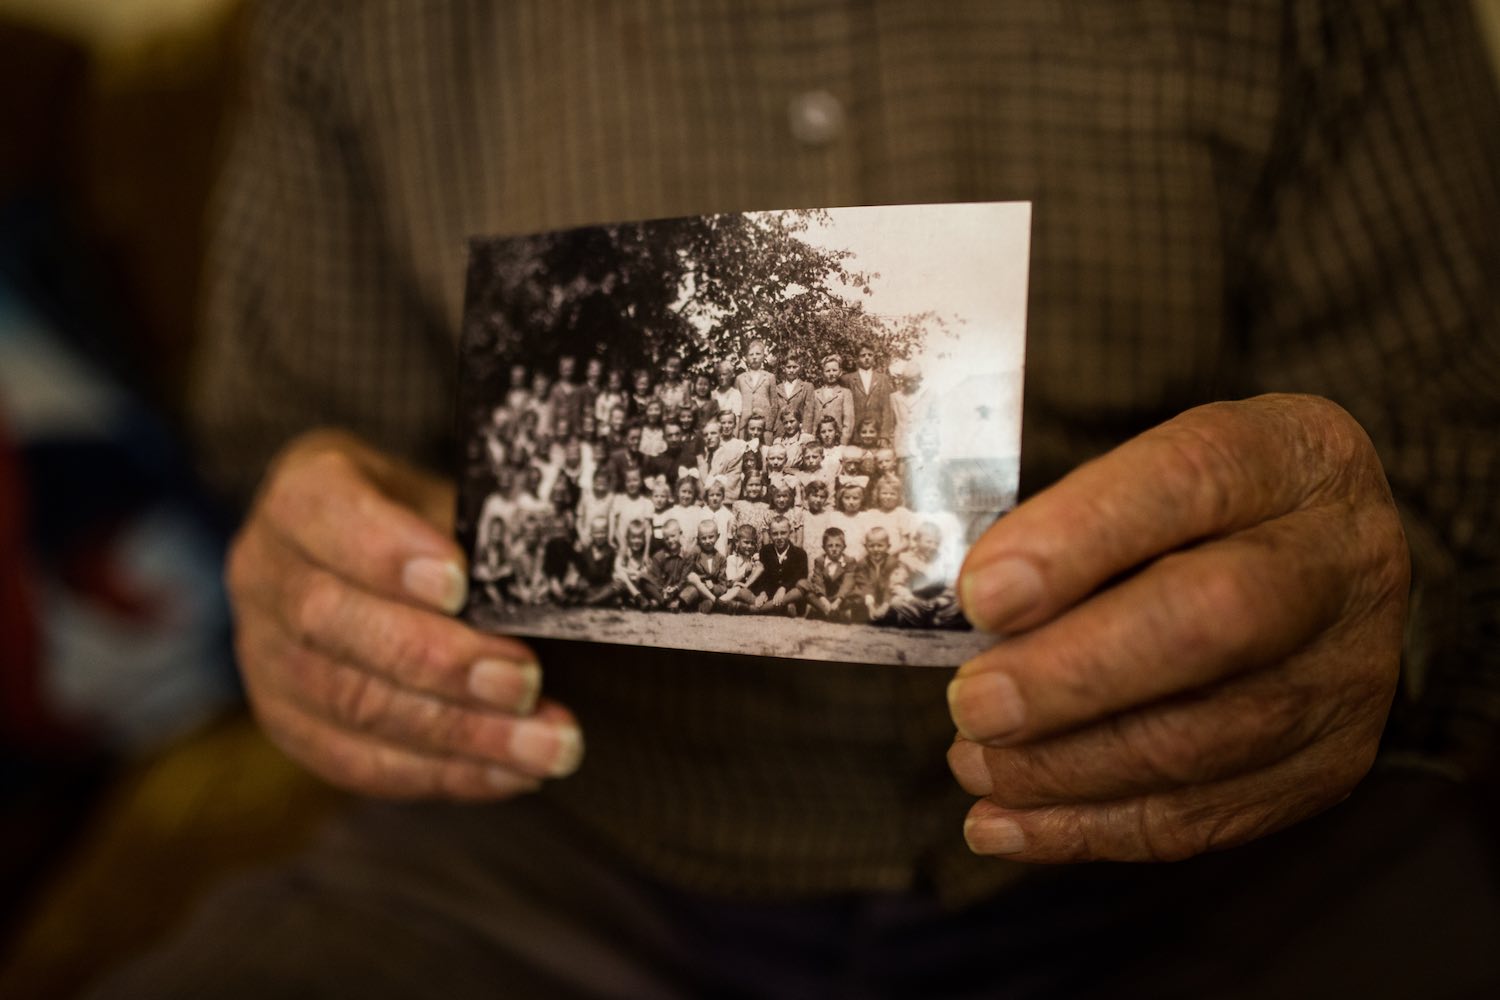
(753, 574)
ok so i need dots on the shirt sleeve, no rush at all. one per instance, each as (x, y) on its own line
(309, 319)
(1374, 259)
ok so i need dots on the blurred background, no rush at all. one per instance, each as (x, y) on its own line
(130, 776)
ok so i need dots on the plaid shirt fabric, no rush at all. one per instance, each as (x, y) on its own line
(1230, 197)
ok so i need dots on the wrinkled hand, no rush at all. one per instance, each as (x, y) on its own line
(1204, 629)
(343, 580)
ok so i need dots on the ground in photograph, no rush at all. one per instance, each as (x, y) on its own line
(757, 635)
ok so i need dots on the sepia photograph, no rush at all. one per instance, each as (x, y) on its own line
(769, 433)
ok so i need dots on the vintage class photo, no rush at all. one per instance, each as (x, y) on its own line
(676, 430)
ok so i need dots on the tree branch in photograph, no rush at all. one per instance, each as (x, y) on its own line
(701, 288)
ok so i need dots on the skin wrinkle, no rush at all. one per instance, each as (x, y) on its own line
(1160, 826)
(434, 638)
(1036, 768)
(1295, 644)
(362, 766)
(352, 699)
(1070, 646)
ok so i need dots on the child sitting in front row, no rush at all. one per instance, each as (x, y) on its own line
(528, 585)
(830, 582)
(741, 569)
(928, 598)
(594, 564)
(879, 581)
(664, 580)
(631, 564)
(706, 575)
(492, 568)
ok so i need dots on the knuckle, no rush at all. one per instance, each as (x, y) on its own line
(444, 726)
(1077, 675)
(323, 448)
(315, 606)
(1212, 609)
(1163, 747)
(360, 700)
(1196, 462)
(1162, 833)
(415, 655)
(1023, 777)
(299, 476)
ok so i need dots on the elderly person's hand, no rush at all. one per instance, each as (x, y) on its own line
(343, 580)
(1203, 627)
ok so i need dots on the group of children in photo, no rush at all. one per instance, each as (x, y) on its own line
(743, 493)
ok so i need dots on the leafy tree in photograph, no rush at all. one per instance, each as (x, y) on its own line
(701, 288)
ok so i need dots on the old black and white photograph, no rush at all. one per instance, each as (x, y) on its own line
(773, 433)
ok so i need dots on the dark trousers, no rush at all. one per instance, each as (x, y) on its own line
(1390, 894)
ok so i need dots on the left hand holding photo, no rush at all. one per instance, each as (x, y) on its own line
(343, 580)
(1204, 631)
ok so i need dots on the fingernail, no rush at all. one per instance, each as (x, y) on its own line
(966, 761)
(994, 835)
(996, 594)
(554, 749)
(504, 684)
(435, 581)
(986, 707)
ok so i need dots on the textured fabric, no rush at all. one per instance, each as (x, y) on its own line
(1389, 895)
(1230, 197)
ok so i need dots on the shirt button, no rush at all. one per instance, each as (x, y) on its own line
(816, 117)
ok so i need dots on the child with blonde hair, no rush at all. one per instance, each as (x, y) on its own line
(850, 516)
(632, 505)
(742, 568)
(631, 563)
(599, 501)
(714, 495)
(891, 514)
(706, 575)
(751, 509)
(661, 502)
(687, 510)
(783, 500)
(816, 514)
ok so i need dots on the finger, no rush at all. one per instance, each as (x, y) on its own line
(368, 766)
(409, 646)
(1186, 621)
(546, 744)
(367, 519)
(1212, 470)
(1243, 725)
(1171, 826)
